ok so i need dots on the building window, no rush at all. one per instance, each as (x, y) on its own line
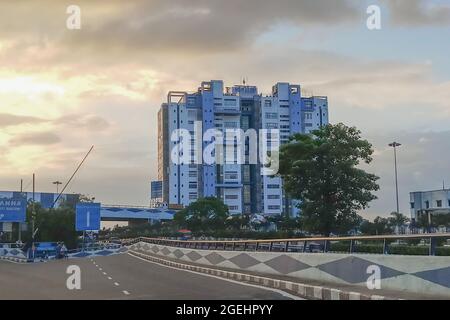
(271, 125)
(274, 207)
(273, 197)
(231, 176)
(193, 185)
(271, 115)
(247, 173)
(233, 208)
(439, 203)
(247, 194)
(230, 102)
(193, 196)
(273, 186)
(412, 205)
(231, 125)
(231, 197)
(427, 204)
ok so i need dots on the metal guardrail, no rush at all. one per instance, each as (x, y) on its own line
(319, 244)
(97, 247)
(10, 245)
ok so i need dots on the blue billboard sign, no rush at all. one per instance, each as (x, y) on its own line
(87, 217)
(13, 210)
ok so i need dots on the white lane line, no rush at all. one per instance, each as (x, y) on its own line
(283, 293)
(125, 292)
(105, 274)
(100, 269)
(109, 278)
(116, 284)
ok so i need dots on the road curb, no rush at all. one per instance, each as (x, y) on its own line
(13, 259)
(302, 290)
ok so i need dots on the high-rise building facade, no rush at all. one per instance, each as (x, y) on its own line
(241, 185)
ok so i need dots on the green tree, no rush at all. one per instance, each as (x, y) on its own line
(207, 214)
(397, 220)
(53, 225)
(321, 170)
(441, 220)
(238, 222)
(285, 223)
(437, 220)
(380, 226)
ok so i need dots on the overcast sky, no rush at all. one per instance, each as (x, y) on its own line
(62, 90)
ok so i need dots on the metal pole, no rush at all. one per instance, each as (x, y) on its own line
(396, 178)
(20, 225)
(33, 212)
(395, 145)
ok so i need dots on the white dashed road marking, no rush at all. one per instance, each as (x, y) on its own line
(125, 292)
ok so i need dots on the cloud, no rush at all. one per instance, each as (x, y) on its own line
(79, 121)
(189, 26)
(7, 120)
(38, 138)
(418, 13)
(207, 25)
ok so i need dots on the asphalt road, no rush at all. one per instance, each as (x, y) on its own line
(121, 277)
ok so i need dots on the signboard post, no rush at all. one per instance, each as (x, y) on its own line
(87, 218)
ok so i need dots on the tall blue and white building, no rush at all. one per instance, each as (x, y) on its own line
(242, 187)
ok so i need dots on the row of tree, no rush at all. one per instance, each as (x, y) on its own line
(322, 170)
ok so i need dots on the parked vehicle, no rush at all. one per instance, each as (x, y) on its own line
(44, 250)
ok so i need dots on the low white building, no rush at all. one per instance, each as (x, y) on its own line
(433, 202)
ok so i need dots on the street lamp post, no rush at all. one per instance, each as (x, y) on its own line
(58, 183)
(395, 145)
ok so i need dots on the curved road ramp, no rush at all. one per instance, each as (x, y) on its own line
(319, 275)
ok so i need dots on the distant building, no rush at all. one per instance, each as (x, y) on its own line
(45, 199)
(156, 198)
(430, 202)
(242, 187)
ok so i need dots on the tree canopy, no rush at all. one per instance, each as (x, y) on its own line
(53, 224)
(205, 214)
(322, 170)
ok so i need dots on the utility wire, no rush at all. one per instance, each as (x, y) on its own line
(73, 175)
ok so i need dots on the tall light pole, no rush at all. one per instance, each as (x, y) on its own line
(395, 145)
(58, 183)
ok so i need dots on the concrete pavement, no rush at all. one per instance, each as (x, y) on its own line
(121, 277)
